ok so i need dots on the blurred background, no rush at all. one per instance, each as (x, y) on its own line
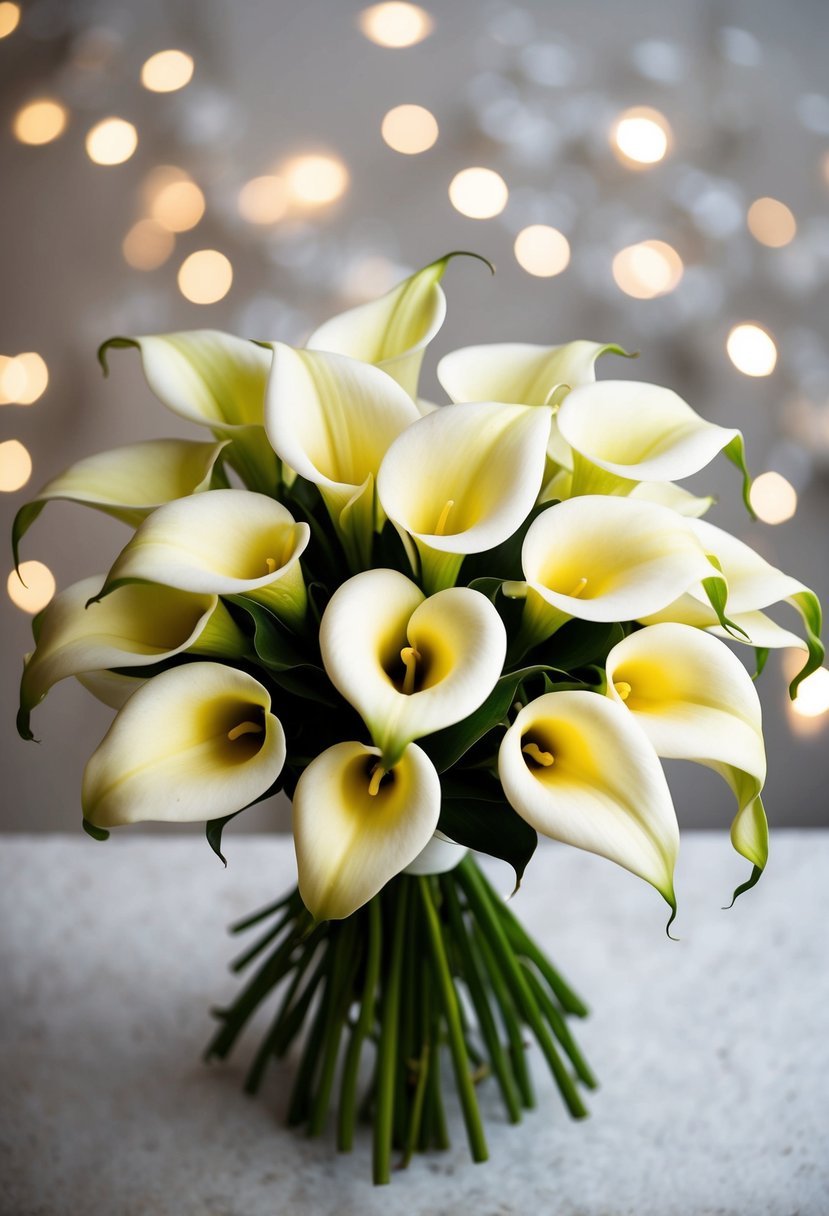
(652, 174)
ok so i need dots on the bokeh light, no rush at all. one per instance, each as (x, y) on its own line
(263, 200)
(315, 179)
(773, 498)
(812, 698)
(111, 141)
(409, 129)
(33, 588)
(542, 250)
(478, 193)
(22, 379)
(147, 245)
(15, 465)
(640, 137)
(395, 25)
(178, 206)
(771, 222)
(648, 269)
(39, 122)
(205, 276)
(167, 71)
(9, 18)
(752, 349)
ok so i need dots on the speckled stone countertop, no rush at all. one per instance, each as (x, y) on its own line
(713, 1052)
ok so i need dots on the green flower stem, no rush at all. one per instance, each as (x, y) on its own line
(295, 1015)
(477, 992)
(256, 949)
(387, 1062)
(360, 1031)
(416, 1114)
(299, 1105)
(241, 925)
(509, 1016)
(268, 1046)
(235, 1017)
(337, 999)
(466, 1090)
(479, 901)
(559, 1028)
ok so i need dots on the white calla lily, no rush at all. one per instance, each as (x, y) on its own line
(129, 482)
(624, 431)
(223, 542)
(111, 688)
(753, 584)
(137, 626)
(462, 480)
(666, 494)
(393, 331)
(605, 559)
(695, 701)
(215, 380)
(577, 768)
(440, 855)
(410, 665)
(356, 824)
(194, 743)
(332, 419)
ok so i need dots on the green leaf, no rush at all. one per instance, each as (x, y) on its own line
(213, 831)
(581, 644)
(761, 654)
(716, 588)
(308, 681)
(808, 605)
(505, 559)
(491, 827)
(275, 646)
(735, 452)
(95, 832)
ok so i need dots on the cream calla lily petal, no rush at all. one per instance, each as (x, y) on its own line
(695, 701)
(138, 625)
(410, 665)
(127, 482)
(518, 372)
(332, 419)
(110, 687)
(666, 494)
(194, 743)
(463, 479)
(356, 825)
(223, 542)
(393, 331)
(213, 379)
(577, 768)
(636, 432)
(602, 559)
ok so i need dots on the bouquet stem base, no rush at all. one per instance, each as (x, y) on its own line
(431, 961)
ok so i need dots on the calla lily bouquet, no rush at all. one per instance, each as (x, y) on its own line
(440, 630)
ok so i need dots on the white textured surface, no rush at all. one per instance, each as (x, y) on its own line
(713, 1052)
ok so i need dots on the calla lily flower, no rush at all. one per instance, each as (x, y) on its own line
(582, 559)
(194, 743)
(753, 584)
(394, 331)
(332, 419)
(137, 626)
(577, 768)
(623, 432)
(410, 665)
(111, 688)
(462, 480)
(695, 701)
(215, 380)
(222, 542)
(666, 494)
(357, 824)
(129, 482)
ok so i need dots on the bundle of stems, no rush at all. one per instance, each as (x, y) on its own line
(435, 966)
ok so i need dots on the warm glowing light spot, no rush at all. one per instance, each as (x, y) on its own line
(39, 122)
(9, 18)
(178, 206)
(478, 193)
(167, 71)
(812, 698)
(147, 245)
(771, 222)
(409, 129)
(395, 25)
(33, 588)
(542, 251)
(22, 379)
(773, 498)
(315, 180)
(752, 350)
(205, 276)
(263, 200)
(15, 465)
(647, 270)
(111, 141)
(640, 137)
